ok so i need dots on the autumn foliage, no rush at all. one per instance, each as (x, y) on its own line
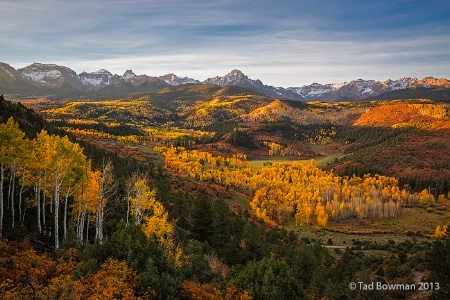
(302, 191)
(192, 290)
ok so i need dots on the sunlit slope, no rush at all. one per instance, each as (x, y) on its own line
(407, 140)
(185, 106)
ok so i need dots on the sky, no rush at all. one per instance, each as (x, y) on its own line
(281, 42)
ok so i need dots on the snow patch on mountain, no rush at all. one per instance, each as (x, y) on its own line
(174, 80)
(336, 86)
(96, 79)
(233, 78)
(237, 78)
(41, 76)
(8, 72)
(314, 89)
(400, 84)
(129, 75)
(54, 76)
(364, 86)
(91, 81)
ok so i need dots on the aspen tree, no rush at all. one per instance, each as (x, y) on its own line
(10, 139)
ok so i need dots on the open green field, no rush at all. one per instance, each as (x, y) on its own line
(342, 240)
(326, 154)
(414, 222)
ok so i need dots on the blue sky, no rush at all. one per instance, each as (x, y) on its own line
(283, 43)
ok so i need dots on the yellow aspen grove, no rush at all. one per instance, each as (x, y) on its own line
(31, 175)
(43, 154)
(157, 224)
(142, 199)
(11, 138)
(303, 191)
(149, 212)
(62, 164)
(322, 216)
(107, 188)
(86, 198)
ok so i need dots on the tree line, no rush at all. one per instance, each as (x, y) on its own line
(63, 185)
(303, 191)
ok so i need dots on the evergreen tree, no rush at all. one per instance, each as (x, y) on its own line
(220, 235)
(269, 279)
(439, 264)
(201, 219)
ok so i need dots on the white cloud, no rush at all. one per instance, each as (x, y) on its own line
(284, 43)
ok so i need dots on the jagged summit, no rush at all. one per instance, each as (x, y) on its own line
(96, 80)
(235, 77)
(52, 76)
(174, 80)
(129, 75)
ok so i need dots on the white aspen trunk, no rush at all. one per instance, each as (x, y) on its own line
(101, 219)
(100, 212)
(13, 210)
(56, 213)
(79, 221)
(37, 192)
(65, 212)
(43, 211)
(65, 216)
(9, 192)
(83, 216)
(87, 228)
(99, 222)
(20, 205)
(101, 204)
(2, 174)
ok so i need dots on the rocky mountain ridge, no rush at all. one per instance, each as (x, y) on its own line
(51, 77)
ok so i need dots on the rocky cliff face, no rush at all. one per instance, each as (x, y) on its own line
(51, 76)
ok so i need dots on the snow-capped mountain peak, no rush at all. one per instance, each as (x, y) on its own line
(96, 79)
(129, 75)
(235, 77)
(174, 80)
(51, 76)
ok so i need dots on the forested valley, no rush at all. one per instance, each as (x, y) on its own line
(231, 198)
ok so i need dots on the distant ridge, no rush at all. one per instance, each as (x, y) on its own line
(63, 82)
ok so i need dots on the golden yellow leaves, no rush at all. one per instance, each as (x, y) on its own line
(157, 224)
(440, 231)
(303, 191)
(147, 210)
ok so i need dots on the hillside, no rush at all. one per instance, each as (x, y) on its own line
(407, 140)
(29, 121)
(188, 106)
(227, 177)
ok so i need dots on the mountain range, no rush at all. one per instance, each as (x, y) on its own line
(63, 82)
